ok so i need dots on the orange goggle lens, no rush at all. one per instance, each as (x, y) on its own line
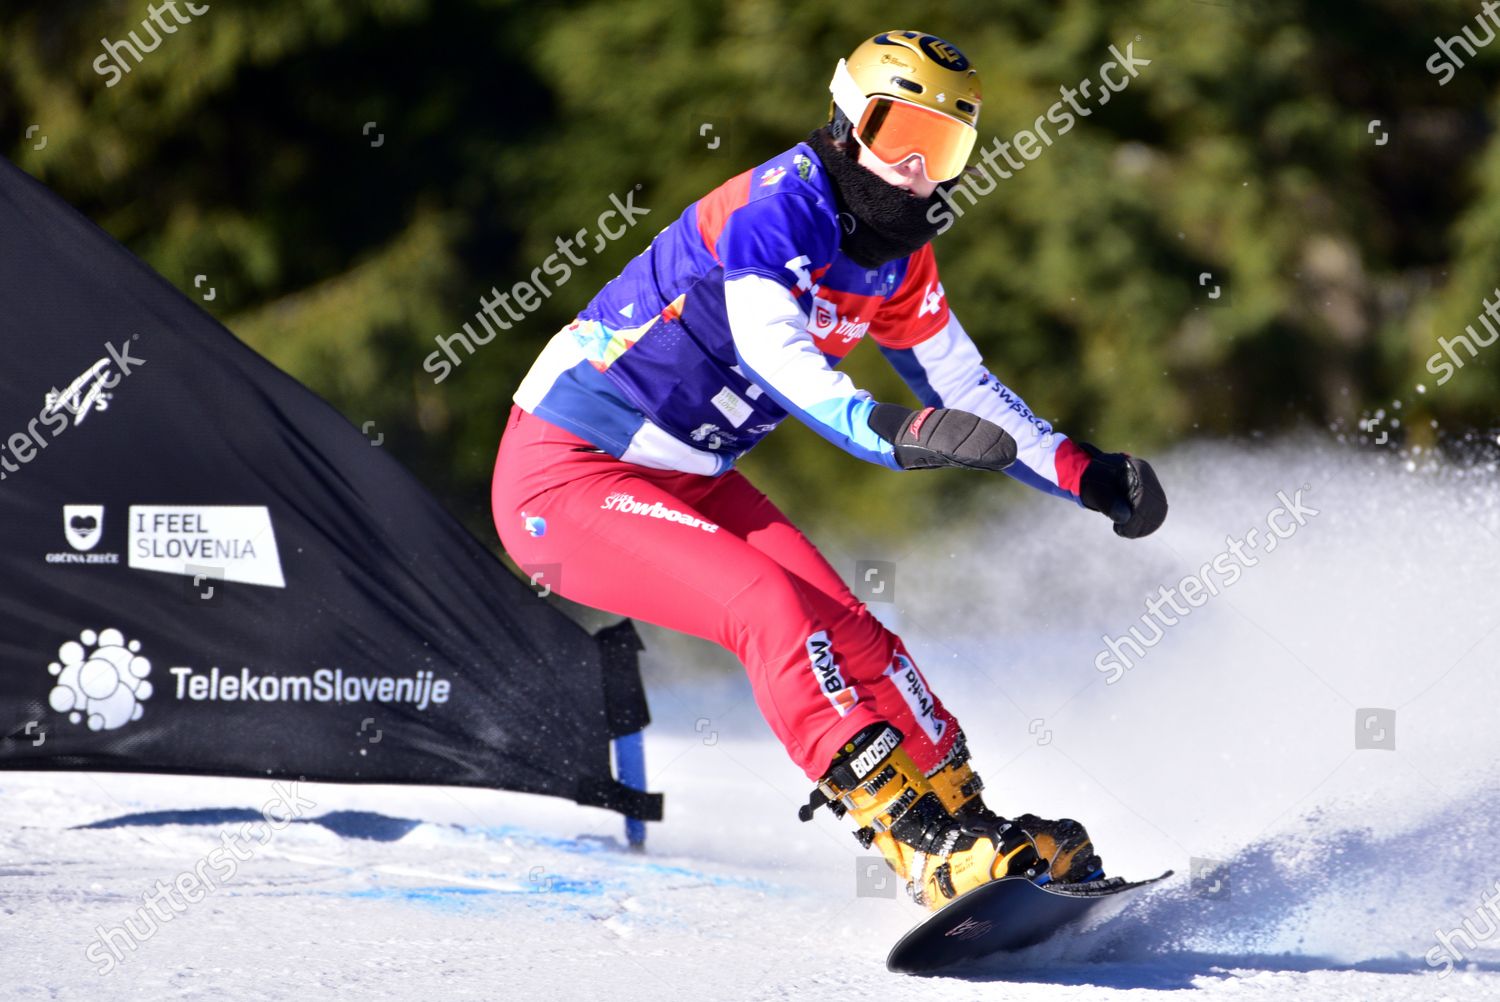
(895, 130)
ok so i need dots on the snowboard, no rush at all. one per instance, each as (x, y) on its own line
(1000, 917)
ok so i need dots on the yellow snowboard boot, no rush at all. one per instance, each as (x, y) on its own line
(896, 810)
(1063, 844)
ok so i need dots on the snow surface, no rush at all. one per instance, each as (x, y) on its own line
(1232, 740)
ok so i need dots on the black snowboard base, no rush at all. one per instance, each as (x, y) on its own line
(1000, 917)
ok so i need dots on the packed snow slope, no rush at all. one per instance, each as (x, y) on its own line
(1334, 872)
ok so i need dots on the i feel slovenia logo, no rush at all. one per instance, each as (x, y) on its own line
(101, 680)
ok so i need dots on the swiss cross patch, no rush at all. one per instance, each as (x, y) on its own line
(932, 300)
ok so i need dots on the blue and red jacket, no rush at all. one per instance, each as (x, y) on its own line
(738, 315)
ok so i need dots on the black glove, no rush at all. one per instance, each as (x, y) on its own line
(941, 436)
(1124, 488)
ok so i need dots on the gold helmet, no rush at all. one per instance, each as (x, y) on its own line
(905, 94)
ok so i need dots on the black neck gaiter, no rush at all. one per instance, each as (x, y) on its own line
(879, 222)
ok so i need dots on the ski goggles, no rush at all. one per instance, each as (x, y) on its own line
(895, 130)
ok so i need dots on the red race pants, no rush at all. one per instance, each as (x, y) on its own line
(712, 556)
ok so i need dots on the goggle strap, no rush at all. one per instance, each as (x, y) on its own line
(847, 94)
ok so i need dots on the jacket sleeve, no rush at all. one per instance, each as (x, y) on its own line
(774, 250)
(932, 352)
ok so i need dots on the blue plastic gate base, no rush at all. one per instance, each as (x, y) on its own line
(630, 769)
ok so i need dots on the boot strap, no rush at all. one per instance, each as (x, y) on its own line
(816, 800)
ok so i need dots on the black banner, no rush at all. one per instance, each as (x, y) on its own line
(204, 568)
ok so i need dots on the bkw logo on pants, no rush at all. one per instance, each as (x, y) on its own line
(826, 670)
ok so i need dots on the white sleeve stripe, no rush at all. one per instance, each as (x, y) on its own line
(956, 373)
(770, 334)
(769, 329)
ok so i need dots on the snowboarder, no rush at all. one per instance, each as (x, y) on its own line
(615, 472)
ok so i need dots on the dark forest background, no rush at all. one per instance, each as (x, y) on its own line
(237, 150)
